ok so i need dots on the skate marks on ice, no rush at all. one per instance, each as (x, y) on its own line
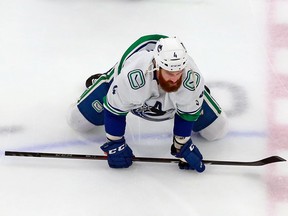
(237, 103)
(10, 129)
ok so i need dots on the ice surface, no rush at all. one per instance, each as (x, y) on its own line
(47, 50)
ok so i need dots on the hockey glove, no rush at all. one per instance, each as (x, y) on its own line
(119, 154)
(190, 153)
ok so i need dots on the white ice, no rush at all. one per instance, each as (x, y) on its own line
(49, 47)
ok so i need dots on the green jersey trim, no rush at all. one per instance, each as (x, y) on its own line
(188, 116)
(136, 45)
(212, 103)
(112, 109)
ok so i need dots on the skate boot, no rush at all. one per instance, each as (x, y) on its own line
(92, 79)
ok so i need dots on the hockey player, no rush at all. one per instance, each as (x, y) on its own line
(156, 80)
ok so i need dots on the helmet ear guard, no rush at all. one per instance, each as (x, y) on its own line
(170, 54)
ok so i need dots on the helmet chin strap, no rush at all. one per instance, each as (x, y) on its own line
(153, 67)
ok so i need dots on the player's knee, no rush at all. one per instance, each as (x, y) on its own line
(217, 129)
(77, 121)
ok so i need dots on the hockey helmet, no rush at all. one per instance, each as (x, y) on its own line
(170, 54)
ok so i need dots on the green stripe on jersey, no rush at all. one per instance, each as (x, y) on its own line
(212, 103)
(137, 44)
(111, 109)
(190, 117)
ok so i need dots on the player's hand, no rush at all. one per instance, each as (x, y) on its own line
(119, 154)
(191, 154)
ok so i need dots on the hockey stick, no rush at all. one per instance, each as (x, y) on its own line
(268, 160)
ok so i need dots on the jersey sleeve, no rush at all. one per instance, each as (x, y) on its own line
(182, 127)
(121, 98)
(130, 88)
(116, 107)
(189, 106)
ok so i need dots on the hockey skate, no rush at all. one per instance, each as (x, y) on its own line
(92, 79)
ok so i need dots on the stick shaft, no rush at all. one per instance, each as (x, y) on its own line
(262, 162)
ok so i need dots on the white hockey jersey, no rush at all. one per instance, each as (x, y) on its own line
(136, 90)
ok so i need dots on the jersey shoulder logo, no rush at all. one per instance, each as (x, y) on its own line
(192, 80)
(136, 79)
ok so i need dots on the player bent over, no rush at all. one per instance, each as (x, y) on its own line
(156, 80)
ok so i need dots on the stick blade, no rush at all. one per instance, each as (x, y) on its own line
(265, 161)
(272, 159)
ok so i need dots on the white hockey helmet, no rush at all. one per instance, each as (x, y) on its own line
(170, 54)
